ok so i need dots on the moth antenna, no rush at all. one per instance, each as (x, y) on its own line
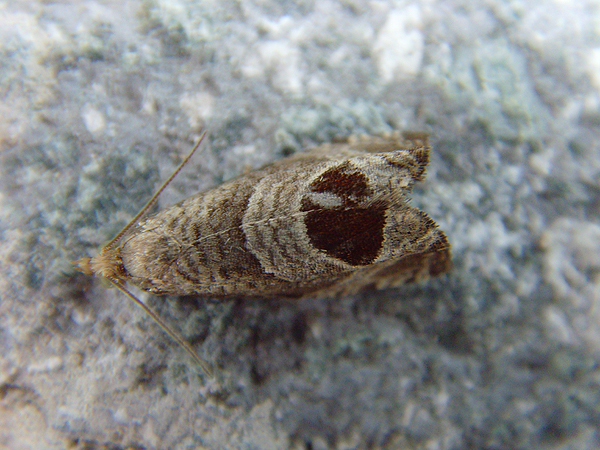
(152, 200)
(176, 337)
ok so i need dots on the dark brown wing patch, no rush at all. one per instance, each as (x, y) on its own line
(348, 231)
(343, 181)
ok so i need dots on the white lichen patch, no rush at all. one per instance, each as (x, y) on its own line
(572, 268)
(399, 45)
(47, 365)
(93, 119)
(280, 60)
(593, 67)
(199, 107)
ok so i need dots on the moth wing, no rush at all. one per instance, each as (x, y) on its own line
(411, 268)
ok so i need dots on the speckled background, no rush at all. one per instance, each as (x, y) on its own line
(99, 100)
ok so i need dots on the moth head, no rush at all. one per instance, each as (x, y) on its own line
(83, 265)
(106, 264)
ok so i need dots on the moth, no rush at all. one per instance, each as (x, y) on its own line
(329, 221)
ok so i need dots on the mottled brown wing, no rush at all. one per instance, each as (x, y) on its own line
(331, 221)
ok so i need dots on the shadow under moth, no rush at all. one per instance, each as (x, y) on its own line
(325, 222)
